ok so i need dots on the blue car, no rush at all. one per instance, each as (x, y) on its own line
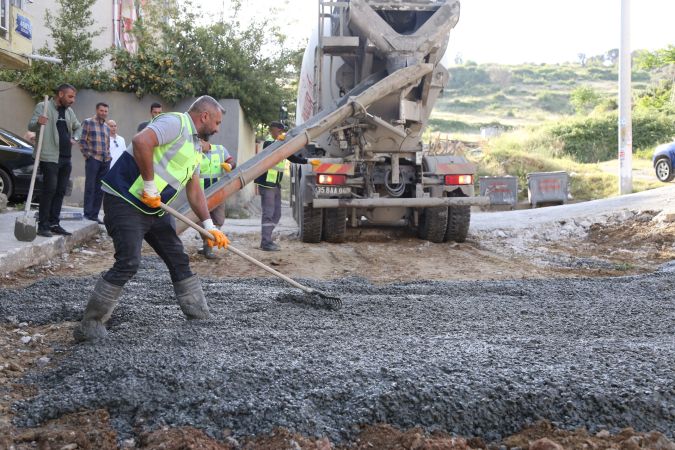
(663, 161)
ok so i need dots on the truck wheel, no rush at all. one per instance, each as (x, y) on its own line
(334, 224)
(433, 222)
(310, 225)
(458, 223)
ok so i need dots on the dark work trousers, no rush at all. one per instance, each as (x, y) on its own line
(55, 178)
(270, 202)
(127, 226)
(93, 195)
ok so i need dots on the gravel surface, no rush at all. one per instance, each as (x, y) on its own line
(474, 358)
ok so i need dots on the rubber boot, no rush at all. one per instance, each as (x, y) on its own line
(208, 252)
(191, 298)
(99, 309)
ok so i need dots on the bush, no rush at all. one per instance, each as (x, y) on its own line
(467, 76)
(594, 138)
(584, 98)
(599, 73)
(553, 102)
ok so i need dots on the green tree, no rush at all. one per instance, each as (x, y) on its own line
(178, 57)
(584, 98)
(659, 58)
(661, 95)
(70, 29)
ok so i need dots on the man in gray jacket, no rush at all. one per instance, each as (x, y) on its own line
(62, 129)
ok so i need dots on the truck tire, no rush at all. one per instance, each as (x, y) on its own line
(334, 224)
(459, 218)
(310, 225)
(433, 223)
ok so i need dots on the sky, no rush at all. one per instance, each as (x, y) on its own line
(508, 32)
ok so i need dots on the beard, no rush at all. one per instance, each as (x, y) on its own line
(204, 134)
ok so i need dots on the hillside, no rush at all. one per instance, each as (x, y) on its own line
(553, 117)
(514, 96)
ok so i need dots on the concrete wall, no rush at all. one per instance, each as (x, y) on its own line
(16, 108)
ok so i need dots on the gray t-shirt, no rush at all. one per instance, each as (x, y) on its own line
(166, 127)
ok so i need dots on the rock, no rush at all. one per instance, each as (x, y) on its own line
(232, 441)
(545, 444)
(665, 216)
(657, 441)
(43, 361)
(26, 339)
(602, 434)
(632, 443)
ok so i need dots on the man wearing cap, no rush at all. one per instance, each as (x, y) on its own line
(269, 186)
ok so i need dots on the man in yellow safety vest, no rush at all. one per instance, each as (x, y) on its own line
(269, 187)
(163, 159)
(216, 161)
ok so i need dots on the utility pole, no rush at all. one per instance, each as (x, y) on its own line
(625, 118)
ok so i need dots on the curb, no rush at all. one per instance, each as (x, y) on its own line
(44, 249)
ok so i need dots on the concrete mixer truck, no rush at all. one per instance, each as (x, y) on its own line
(372, 166)
(370, 76)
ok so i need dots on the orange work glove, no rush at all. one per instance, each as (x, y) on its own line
(150, 195)
(282, 137)
(314, 162)
(152, 201)
(219, 239)
(227, 167)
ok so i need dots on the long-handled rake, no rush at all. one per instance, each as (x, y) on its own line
(314, 298)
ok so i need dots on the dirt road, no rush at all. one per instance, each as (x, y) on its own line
(452, 337)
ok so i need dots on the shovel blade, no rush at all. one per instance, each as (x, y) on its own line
(25, 229)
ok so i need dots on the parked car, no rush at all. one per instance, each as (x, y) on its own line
(664, 160)
(16, 166)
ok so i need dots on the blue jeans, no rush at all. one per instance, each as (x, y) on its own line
(93, 195)
(55, 178)
(128, 227)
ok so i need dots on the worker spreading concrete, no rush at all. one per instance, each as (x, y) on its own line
(163, 159)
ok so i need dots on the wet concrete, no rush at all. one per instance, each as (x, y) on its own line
(474, 358)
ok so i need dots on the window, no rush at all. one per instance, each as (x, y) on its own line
(4, 18)
(18, 3)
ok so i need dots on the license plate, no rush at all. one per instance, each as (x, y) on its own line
(323, 191)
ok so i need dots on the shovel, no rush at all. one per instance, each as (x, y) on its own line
(314, 298)
(25, 228)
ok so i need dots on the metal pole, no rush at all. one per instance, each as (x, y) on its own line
(625, 121)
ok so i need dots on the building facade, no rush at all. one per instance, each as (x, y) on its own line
(23, 30)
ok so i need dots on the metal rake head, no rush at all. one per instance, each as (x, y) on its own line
(315, 299)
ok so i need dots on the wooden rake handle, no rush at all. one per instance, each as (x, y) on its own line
(234, 250)
(36, 162)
